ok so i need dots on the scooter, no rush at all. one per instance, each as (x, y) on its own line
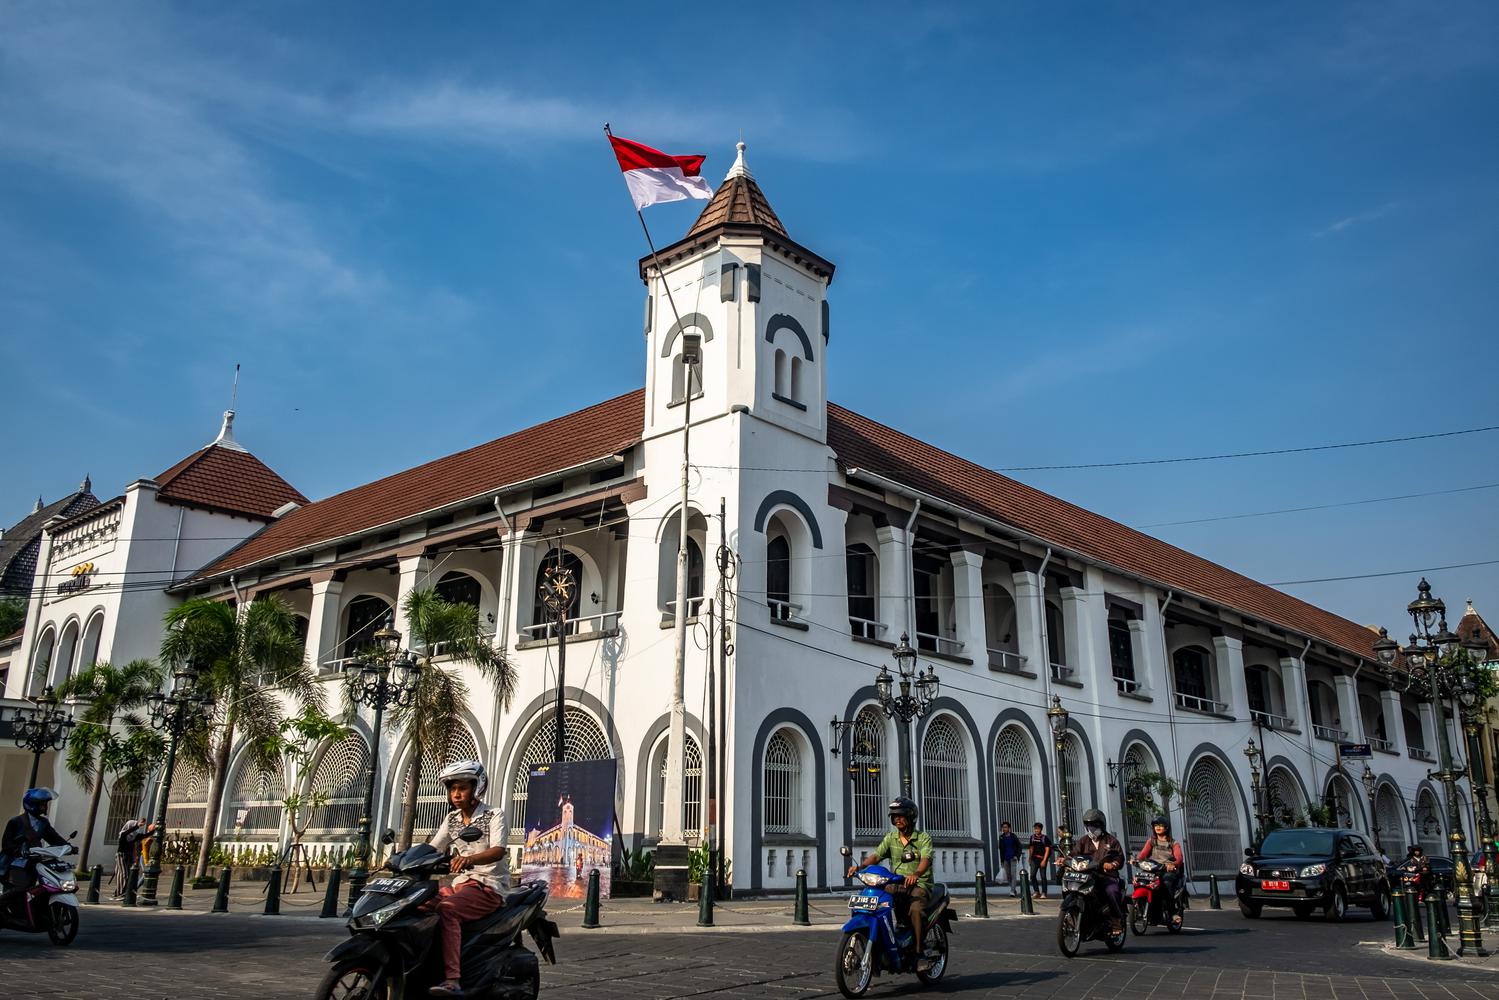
(874, 942)
(1150, 904)
(51, 903)
(1084, 911)
(395, 948)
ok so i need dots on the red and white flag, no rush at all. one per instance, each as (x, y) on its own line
(654, 177)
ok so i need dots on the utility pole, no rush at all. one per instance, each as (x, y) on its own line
(557, 591)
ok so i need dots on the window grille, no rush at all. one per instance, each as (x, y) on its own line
(1141, 802)
(584, 740)
(944, 780)
(364, 617)
(783, 784)
(459, 588)
(341, 776)
(1015, 780)
(867, 754)
(125, 804)
(259, 791)
(1121, 650)
(1073, 765)
(1214, 843)
(1285, 797)
(1191, 672)
(187, 805)
(692, 789)
(1393, 834)
(431, 797)
(1429, 826)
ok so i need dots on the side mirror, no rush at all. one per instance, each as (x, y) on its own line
(846, 851)
(469, 834)
(1249, 852)
(73, 835)
(388, 837)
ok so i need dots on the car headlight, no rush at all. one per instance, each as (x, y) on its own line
(1246, 869)
(1312, 871)
(871, 879)
(69, 886)
(375, 918)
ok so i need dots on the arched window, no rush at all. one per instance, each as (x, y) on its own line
(1121, 651)
(459, 588)
(254, 806)
(1074, 764)
(783, 784)
(67, 649)
(778, 577)
(1340, 799)
(362, 619)
(1393, 834)
(1214, 844)
(41, 663)
(1190, 668)
(1056, 635)
(863, 569)
(999, 622)
(582, 740)
(1139, 801)
(1429, 828)
(187, 804)
(866, 765)
(666, 576)
(1015, 779)
(340, 779)
(796, 379)
(944, 780)
(88, 653)
(431, 798)
(1257, 687)
(692, 789)
(568, 561)
(1284, 798)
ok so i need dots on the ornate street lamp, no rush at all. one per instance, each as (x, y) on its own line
(45, 726)
(1057, 716)
(1433, 670)
(383, 676)
(1122, 773)
(1371, 782)
(1255, 755)
(171, 714)
(1470, 698)
(906, 697)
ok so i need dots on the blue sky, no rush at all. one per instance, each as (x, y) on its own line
(1063, 234)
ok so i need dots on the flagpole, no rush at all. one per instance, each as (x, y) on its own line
(670, 881)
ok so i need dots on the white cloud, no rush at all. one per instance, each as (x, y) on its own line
(1359, 218)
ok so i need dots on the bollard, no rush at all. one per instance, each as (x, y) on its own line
(221, 895)
(130, 879)
(799, 917)
(273, 892)
(591, 901)
(174, 898)
(1403, 937)
(980, 896)
(1436, 947)
(330, 893)
(1215, 902)
(1413, 913)
(93, 884)
(1027, 904)
(705, 894)
(1440, 899)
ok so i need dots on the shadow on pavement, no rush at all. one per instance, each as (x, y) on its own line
(993, 980)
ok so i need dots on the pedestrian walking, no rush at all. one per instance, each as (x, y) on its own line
(1039, 848)
(1009, 855)
(126, 848)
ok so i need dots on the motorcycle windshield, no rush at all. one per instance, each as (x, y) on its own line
(380, 893)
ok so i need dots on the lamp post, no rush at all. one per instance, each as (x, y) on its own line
(45, 726)
(382, 677)
(1370, 782)
(1057, 716)
(1472, 702)
(1432, 669)
(171, 713)
(1255, 755)
(906, 699)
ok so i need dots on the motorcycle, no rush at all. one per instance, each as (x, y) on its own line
(874, 942)
(1150, 903)
(1084, 911)
(395, 950)
(51, 903)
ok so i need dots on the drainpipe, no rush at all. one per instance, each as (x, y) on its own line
(503, 631)
(239, 601)
(1176, 761)
(1045, 635)
(911, 571)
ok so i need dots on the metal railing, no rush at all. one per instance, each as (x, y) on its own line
(1379, 744)
(1272, 721)
(591, 625)
(939, 644)
(1127, 685)
(1061, 672)
(1192, 703)
(694, 608)
(1329, 734)
(1420, 753)
(783, 611)
(1006, 661)
(445, 648)
(864, 628)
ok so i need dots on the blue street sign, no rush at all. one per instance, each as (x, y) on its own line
(1355, 751)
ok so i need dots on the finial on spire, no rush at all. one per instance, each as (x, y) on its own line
(739, 169)
(38, 508)
(226, 434)
(87, 485)
(1470, 610)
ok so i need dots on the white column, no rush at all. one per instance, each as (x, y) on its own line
(1228, 657)
(1293, 676)
(414, 571)
(1077, 636)
(895, 548)
(1154, 670)
(1428, 729)
(1139, 644)
(1028, 622)
(1394, 721)
(525, 554)
(322, 623)
(1351, 722)
(968, 603)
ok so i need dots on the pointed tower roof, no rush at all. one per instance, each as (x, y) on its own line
(738, 201)
(224, 476)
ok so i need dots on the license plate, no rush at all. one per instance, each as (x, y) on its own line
(863, 902)
(387, 885)
(1275, 885)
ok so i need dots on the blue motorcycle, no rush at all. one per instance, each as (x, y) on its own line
(875, 942)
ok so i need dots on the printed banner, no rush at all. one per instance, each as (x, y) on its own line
(570, 826)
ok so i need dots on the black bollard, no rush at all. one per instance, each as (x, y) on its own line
(1417, 919)
(130, 880)
(591, 901)
(273, 892)
(705, 895)
(221, 896)
(1443, 920)
(1215, 902)
(1027, 904)
(1436, 947)
(174, 898)
(330, 893)
(980, 896)
(799, 916)
(1403, 937)
(94, 878)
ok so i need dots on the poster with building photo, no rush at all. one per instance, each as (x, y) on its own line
(569, 827)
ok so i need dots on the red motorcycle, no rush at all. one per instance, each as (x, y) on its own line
(1152, 904)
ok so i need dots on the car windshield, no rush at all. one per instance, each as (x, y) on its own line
(1297, 843)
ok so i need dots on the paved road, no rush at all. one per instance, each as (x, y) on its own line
(148, 955)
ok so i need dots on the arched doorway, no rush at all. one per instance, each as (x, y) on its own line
(585, 740)
(339, 779)
(1214, 831)
(1017, 781)
(1346, 808)
(187, 804)
(867, 766)
(1393, 833)
(1138, 801)
(253, 809)
(1431, 832)
(1283, 799)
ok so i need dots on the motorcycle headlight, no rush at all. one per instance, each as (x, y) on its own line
(69, 886)
(376, 918)
(1312, 871)
(1246, 869)
(871, 879)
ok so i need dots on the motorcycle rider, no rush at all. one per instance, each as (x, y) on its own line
(1101, 846)
(1164, 848)
(1418, 863)
(23, 832)
(909, 851)
(482, 867)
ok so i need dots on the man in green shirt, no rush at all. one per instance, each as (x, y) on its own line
(909, 852)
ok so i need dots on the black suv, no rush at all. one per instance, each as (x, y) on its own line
(1313, 868)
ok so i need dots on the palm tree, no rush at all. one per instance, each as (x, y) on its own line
(245, 657)
(435, 713)
(106, 692)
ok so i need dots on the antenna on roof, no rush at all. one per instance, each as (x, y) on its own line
(234, 393)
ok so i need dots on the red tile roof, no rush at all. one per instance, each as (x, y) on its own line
(604, 429)
(737, 202)
(862, 443)
(227, 479)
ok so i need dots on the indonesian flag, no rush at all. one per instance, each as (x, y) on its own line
(654, 177)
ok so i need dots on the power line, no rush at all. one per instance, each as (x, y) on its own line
(1320, 506)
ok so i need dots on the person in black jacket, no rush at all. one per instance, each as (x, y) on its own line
(22, 833)
(1100, 845)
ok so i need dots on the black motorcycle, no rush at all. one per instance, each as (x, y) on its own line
(1085, 910)
(1152, 904)
(395, 948)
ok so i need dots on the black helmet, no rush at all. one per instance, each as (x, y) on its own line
(1161, 821)
(902, 806)
(1095, 818)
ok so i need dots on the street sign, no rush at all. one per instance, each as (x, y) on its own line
(1355, 751)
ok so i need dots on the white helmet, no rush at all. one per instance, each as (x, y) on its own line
(465, 770)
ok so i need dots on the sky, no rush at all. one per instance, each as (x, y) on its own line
(1065, 234)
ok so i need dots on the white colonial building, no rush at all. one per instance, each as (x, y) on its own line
(845, 534)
